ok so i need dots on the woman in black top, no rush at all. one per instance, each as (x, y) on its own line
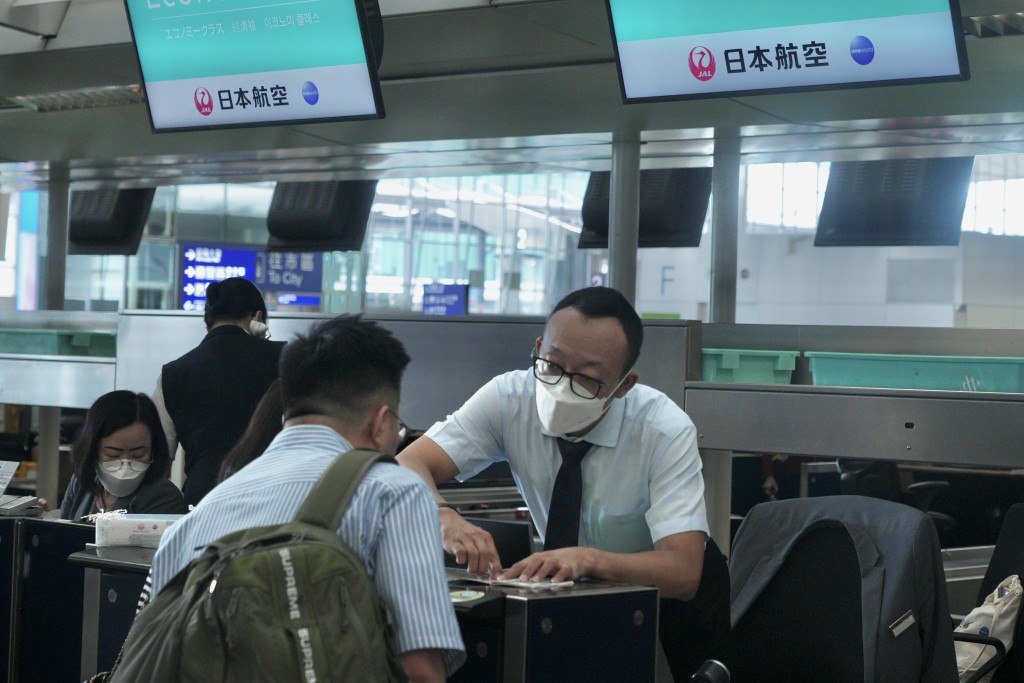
(120, 461)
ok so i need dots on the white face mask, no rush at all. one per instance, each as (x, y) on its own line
(563, 412)
(258, 329)
(119, 478)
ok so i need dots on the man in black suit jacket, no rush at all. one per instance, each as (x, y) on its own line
(207, 396)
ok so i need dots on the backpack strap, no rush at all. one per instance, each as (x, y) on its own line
(329, 498)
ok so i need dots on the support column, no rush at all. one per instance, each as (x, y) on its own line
(725, 220)
(717, 473)
(48, 457)
(53, 271)
(53, 261)
(624, 214)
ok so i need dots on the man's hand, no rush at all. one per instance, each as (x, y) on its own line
(471, 545)
(559, 565)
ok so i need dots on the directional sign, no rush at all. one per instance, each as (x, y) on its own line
(206, 263)
(445, 299)
(291, 271)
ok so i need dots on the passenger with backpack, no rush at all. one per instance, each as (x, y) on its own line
(340, 390)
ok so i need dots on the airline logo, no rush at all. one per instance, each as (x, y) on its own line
(862, 50)
(702, 63)
(310, 92)
(204, 101)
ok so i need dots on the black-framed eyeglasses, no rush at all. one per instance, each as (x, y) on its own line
(403, 428)
(552, 373)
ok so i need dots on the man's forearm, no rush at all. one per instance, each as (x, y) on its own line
(675, 573)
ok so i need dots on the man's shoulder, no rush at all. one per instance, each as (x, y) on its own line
(651, 406)
(394, 476)
(514, 382)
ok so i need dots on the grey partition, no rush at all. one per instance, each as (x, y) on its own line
(37, 377)
(451, 357)
(943, 427)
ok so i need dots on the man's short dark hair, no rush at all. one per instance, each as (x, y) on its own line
(341, 367)
(605, 302)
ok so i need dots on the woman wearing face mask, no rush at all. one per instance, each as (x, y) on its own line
(207, 396)
(120, 458)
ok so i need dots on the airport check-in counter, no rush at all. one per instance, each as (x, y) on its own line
(41, 603)
(590, 631)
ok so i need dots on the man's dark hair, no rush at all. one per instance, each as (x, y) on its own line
(605, 302)
(232, 299)
(341, 367)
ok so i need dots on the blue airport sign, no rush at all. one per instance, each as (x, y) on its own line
(445, 299)
(202, 264)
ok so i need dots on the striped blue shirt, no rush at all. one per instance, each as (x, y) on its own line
(391, 522)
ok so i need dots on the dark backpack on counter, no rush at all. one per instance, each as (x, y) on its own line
(286, 602)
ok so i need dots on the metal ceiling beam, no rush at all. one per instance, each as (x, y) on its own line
(35, 18)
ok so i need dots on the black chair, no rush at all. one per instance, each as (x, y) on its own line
(790, 633)
(840, 588)
(881, 479)
(1007, 559)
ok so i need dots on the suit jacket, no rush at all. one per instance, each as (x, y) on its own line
(901, 571)
(210, 393)
(158, 497)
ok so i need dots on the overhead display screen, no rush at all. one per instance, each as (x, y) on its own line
(683, 49)
(219, 63)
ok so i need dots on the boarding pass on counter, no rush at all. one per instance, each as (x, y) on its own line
(118, 528)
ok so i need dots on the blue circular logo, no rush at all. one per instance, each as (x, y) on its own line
(862, 50)
(310, 93)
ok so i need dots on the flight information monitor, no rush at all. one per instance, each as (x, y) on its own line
(221, 63)
(687, 49)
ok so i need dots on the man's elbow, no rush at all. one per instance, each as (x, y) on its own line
(423, 666)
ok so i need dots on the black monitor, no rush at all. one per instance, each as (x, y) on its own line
(255, 62)
(320, 216)
(513, 539)
(108, 221)
(673, 208)
(896, 202)
(669, 50)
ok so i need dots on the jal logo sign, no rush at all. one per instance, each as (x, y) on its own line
(204, 101)
(702, 63)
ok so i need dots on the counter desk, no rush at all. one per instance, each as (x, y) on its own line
(41, 604)
(593, 631)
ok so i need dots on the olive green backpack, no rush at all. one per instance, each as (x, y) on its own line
(287, 602)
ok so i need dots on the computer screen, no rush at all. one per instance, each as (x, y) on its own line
(673, 208)
(254, 62)
(684, 49)
(894, 202)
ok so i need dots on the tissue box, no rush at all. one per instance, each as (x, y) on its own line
(137, 530)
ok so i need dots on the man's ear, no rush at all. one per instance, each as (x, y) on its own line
(377, 427)
(536, 346)
(631, 379)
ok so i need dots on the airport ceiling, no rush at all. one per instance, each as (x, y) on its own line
(477, 86)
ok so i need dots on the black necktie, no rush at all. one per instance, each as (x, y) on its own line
(564, 513)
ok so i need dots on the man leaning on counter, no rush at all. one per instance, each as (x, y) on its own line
(640, 517)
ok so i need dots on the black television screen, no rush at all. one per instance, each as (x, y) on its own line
(673, 208)
(254, 62)
(896, 202)
(108, 221)
(683, 49)
(320, 216)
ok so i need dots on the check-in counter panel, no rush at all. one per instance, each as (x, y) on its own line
(939, 427)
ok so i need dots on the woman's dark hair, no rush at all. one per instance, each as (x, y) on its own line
(110, 413)
(263, 426)
(232, 299)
